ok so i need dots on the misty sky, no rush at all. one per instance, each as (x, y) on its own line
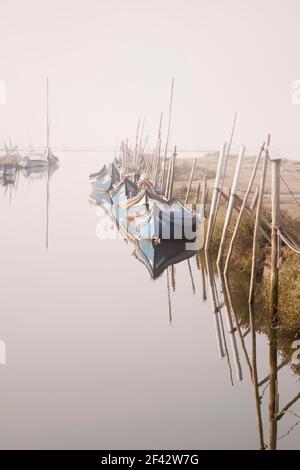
(111, 61)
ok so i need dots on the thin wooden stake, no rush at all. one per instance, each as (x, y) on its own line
(204, 193)
(136, 144)
(225, 167)
(168, 134)
(243, 207)
(168, 177)
(231, 203)
(215, 197)
(190, 181)
(198, 194)
(171, 184)
(158, 151)
(140, 151)
(254, 200)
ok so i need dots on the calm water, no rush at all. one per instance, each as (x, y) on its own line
(92, 359)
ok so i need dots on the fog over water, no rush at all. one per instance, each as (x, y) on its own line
(110, 62)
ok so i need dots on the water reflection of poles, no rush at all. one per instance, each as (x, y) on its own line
(191, 276)
(50, 171)
(47, 208)
(173, 277)
(273, 395)
(214, 306)
(287, 406)
(231, 329)
(267, 378)
(169, 297)
(218, 307)
(251, 297)
(201, 268)
(255, 386)
(204, 294)
(241, 335)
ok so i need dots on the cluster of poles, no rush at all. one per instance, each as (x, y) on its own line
(160, 169)
(158, 165)
(274, 234)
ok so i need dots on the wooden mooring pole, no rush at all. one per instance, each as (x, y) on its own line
(231, 203)
(171, 178)
(243, 208)
(190, 181)
(204, 193)
(135, 158)
(157, 153)
(274, 298)
(215, 196)
(168, 137)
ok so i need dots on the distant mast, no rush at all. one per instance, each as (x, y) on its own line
(52, 159)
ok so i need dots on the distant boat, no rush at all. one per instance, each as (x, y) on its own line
(11, 157)
(10, 175)
(45, 159)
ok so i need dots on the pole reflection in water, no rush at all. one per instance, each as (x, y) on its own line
(9, 180)
(260, 386)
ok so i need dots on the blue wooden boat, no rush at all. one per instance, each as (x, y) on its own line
(135, 213)
(107, 180)
(125, 190)
(111, 202)
(146, 215)
(167, 220)
(98, 174)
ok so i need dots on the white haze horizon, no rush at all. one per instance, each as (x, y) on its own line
(111, 62)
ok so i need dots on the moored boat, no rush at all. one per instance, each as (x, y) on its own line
(108, 180)
(98, 174)
(167, 221)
